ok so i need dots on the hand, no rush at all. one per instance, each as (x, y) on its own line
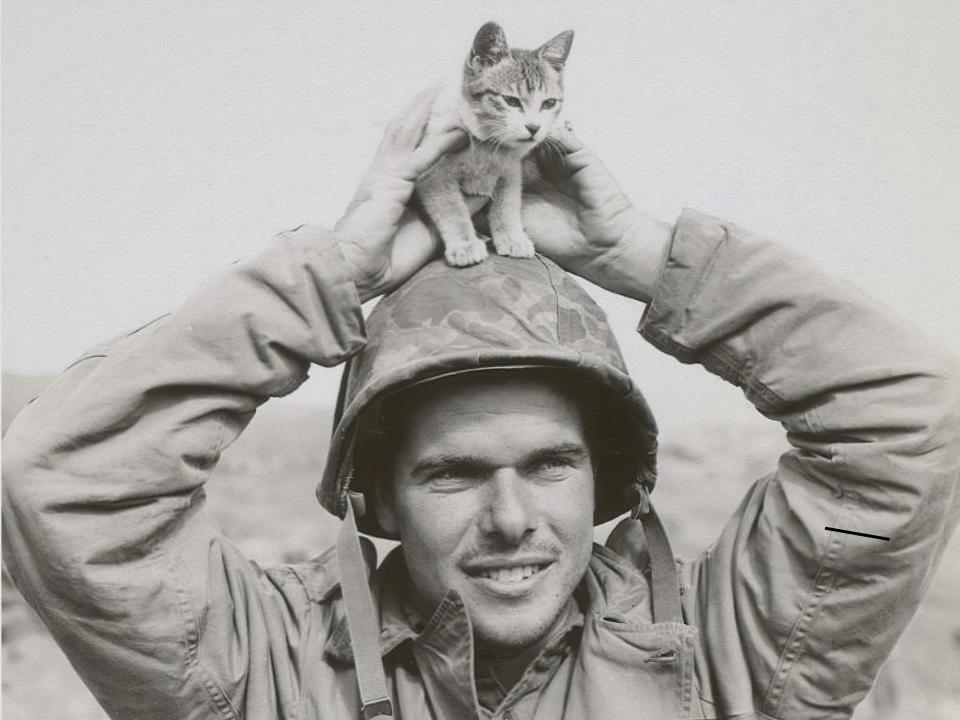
(382, 240)
(577, 215)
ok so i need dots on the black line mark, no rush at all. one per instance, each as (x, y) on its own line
(851, 532)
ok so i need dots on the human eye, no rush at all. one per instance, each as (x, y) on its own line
(451, 479)
(511, 100)
(552, 467)
(549, 104)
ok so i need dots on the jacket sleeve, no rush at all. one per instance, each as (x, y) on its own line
(795, 620)
(104, 527)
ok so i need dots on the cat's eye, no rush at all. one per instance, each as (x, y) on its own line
(511, 100)
(549, 104)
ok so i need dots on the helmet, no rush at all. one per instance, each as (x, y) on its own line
(502, 314)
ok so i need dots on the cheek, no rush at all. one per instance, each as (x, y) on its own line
(490, 113)
(434, 526)
(570, 507)
(433, 535)
(581, 523)
(512, 118)
(549, 117)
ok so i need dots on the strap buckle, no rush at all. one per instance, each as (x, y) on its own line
(358, 501)
(376, 708)
(642, 506)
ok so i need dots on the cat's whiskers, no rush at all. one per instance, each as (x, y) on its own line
(502, 139)
(553, 145)
(497, 140)
(490, 144)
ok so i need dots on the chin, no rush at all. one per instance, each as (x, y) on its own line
(511, 626)
(525, 146)
(499, 633)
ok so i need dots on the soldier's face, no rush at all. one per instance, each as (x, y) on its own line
(493, 496)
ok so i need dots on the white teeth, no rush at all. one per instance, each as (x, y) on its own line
(511, 575)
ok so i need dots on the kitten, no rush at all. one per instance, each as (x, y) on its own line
(508, 101)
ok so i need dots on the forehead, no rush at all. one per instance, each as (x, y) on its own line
(523, 72)
(489, 406)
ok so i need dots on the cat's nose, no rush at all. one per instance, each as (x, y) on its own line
(532, 128)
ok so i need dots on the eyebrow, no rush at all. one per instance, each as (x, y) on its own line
(575, 451)
(443, 461)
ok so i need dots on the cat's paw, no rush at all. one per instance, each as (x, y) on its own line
(517, 245)
(469, 252)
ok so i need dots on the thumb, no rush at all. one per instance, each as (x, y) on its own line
(567, 138)
(434, 147)
(559, 156)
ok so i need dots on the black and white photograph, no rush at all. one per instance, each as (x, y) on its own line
(480, 360)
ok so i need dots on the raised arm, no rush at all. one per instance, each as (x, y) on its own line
(104, 529)
(794, 620)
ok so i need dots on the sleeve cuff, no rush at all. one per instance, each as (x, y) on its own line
(697, 237)
(306, 269)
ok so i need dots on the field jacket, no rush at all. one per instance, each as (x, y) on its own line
(106, 535)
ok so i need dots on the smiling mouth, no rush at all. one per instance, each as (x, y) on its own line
(510, 575)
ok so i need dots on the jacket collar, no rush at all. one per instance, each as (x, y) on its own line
(611, 588)
(398, 622)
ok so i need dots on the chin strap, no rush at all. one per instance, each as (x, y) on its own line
(663, 566)
(361, 616)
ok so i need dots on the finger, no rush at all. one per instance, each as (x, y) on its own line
(567, 138)
(409, 124)
(562, 153)
(434, 147)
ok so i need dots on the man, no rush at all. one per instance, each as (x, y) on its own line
(486, 420)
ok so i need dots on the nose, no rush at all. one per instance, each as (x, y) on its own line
(532, 128)
(508, 513)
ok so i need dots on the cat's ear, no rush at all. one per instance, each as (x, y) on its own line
(489, 46)
(555, 51)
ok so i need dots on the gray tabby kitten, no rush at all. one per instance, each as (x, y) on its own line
(508, 101)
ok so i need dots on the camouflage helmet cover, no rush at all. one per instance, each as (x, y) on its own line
(502, 313)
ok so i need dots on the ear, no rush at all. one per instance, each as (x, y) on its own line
(555, 51)
(489, 45)
(383, 507)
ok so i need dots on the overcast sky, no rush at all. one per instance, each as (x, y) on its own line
(147, 145)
